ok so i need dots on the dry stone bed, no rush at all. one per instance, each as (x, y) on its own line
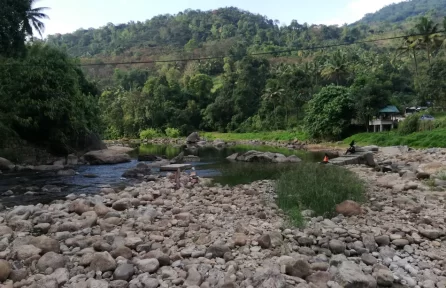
(152, 235)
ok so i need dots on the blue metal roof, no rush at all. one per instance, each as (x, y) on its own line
(389, 109)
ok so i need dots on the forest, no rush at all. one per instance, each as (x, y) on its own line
(224, 70)
(45, 98)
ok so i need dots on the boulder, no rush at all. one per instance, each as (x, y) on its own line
(68, 172)
(5, 270)
(122, 204)
(148, 265)
(384, 277)
(263, 157)
(27, 251)
(107, 156)
(51, 260)
(299, 268)
(124, 272)
(193, 138)
(102, 261)
(5, 164)
(350, 275)
(431, 168)
(148, 157)
(139, 171)
(218, 250)
(337, 246)
(46, 244)
(349, 208)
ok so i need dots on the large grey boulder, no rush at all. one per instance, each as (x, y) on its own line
(193, 138)
(350, 275)
(5, 164)
(107, 156)
(263, 157)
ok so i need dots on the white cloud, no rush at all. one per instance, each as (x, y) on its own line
(356, 9)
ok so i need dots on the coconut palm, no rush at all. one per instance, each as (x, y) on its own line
(410, 46)
(429, 38)
(336, 67)
(34, 17)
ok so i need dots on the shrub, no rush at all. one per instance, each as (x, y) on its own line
(172, 132)
(410, 125)
(316, 187)
(329, 113)
(148, 134)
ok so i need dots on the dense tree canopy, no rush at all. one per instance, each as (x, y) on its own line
(290, 85)
(44, 95)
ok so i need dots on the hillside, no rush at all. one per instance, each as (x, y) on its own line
(192, 29)
(402, 11)
(231, 91)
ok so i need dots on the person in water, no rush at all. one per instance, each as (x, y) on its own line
(325, 161)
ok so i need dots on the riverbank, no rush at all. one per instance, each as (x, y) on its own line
(203, 235)
(423, 139)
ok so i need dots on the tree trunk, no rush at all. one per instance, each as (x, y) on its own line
(428, 55)
(416, 62)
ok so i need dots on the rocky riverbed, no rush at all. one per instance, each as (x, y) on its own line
(153, 235)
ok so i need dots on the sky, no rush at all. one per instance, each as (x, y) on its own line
(69, 15)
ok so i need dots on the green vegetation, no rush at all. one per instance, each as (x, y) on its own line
(301, 93)
(401, 11)
(317, 187)
(424, 139)
(261, 136)
(412, 132)
(172, 132)
(149, 134)
(45, 98)
(329, 112)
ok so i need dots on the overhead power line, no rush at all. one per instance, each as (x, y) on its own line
(264, 53)
(251, 54)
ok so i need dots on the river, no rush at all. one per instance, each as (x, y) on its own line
(27, 186)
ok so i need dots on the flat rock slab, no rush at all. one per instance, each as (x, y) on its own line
(175, 167)
(359, 158)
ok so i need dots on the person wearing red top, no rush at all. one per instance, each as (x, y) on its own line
(325, 161)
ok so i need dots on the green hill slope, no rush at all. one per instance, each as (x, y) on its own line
(402, 11)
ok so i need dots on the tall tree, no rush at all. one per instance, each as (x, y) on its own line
(33, 19)
(429, 36)
(336, 67)
(12, 38)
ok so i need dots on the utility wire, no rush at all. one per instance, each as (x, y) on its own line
(265, 53)
(250, 54)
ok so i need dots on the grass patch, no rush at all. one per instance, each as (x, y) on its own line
(262, 136)
(316, 187)
(423, 139)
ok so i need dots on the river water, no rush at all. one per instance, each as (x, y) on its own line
(27, 186)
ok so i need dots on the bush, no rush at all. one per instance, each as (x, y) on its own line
(172, 132)
(410, 125)
(316, 187)
(329, 113)
(148, 134)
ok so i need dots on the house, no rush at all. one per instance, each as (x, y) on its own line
(412, 110)
(386, 120)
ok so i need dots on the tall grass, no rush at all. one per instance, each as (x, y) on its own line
(316, 187)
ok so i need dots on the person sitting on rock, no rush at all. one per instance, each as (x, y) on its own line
(352, 148)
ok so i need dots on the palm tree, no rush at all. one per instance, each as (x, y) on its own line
(274, 97)
(336, 67)
(430, 37)
(33, 19)
(410, 46)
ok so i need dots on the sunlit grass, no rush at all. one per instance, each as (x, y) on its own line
(316, 187)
